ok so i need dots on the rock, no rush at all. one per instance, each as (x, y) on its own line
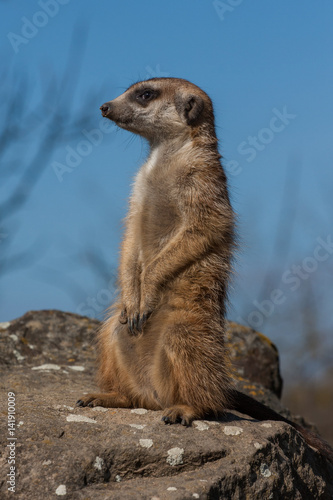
(48, 337)
(83, 453)
(254, 357)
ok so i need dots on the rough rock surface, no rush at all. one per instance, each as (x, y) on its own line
(47, 359)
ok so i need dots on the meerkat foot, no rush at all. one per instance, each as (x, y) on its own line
(182, 414)
(108, 400)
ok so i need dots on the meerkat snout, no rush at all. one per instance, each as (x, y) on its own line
(105, 108)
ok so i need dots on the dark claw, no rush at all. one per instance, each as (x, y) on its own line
(90, 404)
(136, 321)
(183, 422)
(143, 320)
(134, 324)
(141, 323)
(166, 420)
(79, 402)
(123, 317)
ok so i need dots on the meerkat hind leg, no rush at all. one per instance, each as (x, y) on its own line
(108, 400)
(182, 414)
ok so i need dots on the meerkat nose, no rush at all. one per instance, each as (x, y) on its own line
(105, 108)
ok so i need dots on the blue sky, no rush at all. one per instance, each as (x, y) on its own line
(257, 60)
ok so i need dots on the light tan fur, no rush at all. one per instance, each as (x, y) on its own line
(163, 346)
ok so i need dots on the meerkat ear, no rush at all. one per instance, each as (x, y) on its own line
(190, 108)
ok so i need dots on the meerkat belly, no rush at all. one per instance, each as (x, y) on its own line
(136, 354)
(159, 223)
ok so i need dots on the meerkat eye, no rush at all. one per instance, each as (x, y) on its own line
(146, 95)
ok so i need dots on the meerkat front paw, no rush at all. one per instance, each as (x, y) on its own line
(137, 321)
(135, 318)
(131, 316)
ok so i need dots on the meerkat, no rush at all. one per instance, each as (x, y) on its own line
(163, 346)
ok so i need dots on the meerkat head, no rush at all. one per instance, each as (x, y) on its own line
(161, 108)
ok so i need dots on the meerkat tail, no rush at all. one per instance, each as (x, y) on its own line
(245, 404)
